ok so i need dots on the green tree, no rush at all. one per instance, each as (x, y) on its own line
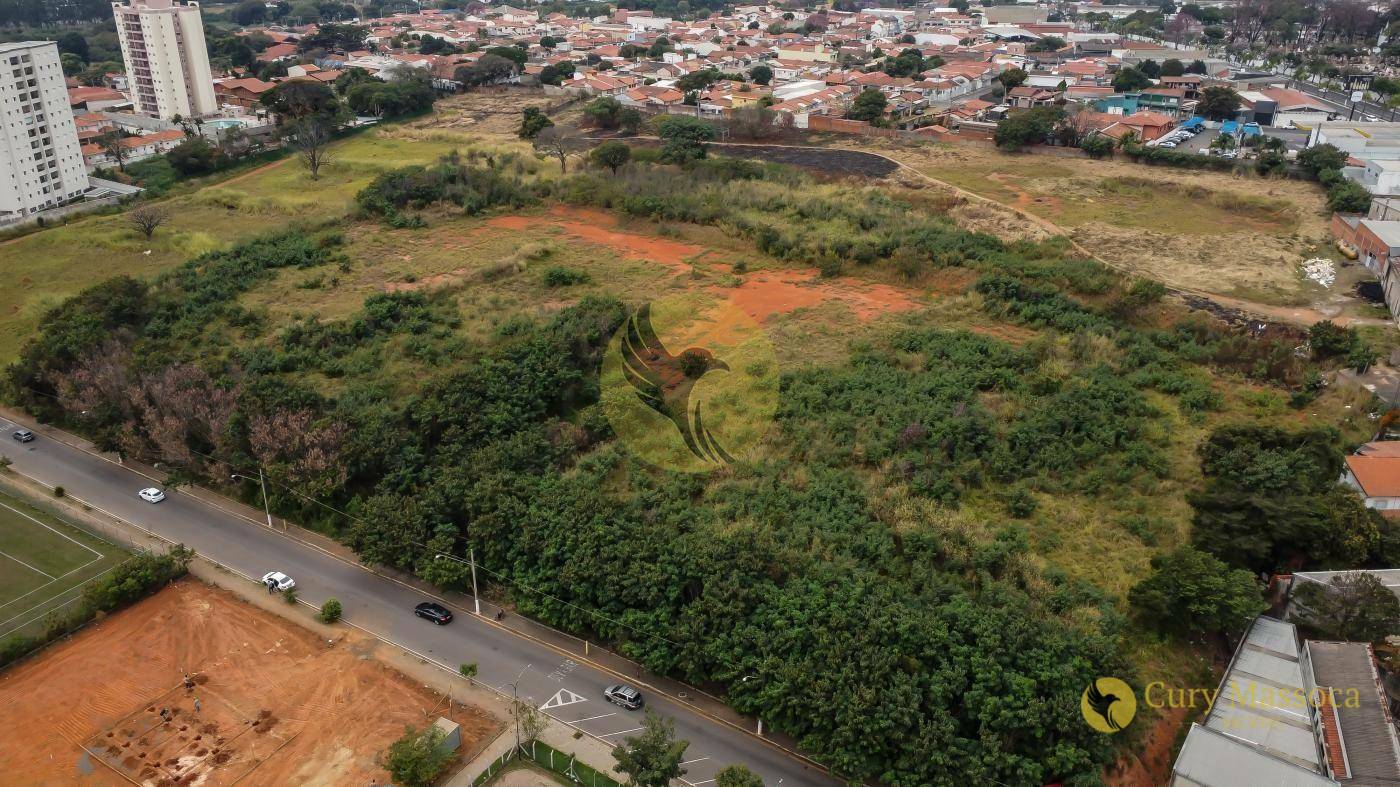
(603, 112)
(250, 12)
(532, 122)
(1355, 607)
(1172, 67)
(301, 100)
(1130, 80)
(1191, 592)
(1218, 102)
(1150, 69)
(761, 74)
(76, 44)
(1097, 145)
(1348, 196)
(195, 156)
(653, 758)
(1271, 162)
(683, 138)
(330, 611)
(1197, 67)
(489, 69)
(418, 757)
(72, 64)
(612, 154)
(1027, 127)
(868, 106)
(1012, 77)
(1321, 157)
(659, 47)
(737, 776)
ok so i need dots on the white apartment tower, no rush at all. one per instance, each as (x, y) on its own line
(41, 160)
(167, 66)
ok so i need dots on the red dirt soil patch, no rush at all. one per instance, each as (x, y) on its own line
(328, 712)
(1151, 762)
(766, 294)
(592, 226)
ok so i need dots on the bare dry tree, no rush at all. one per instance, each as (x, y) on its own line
(311, 139)
(558, 142)
(147, 218)
(111, 143)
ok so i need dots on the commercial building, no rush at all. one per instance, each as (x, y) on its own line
(166, 60)
(41, 163)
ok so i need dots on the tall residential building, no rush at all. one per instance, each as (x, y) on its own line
(167, 65)
(41, 160)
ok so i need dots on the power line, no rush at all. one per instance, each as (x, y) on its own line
(458, 538)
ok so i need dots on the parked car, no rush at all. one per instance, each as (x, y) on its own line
(1167, 145)
(151, 495)
(437, 613)
(624, 695)
(279, 581)
(23, 435)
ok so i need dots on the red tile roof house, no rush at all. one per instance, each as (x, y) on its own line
(1377, 476)
(137, 148)
(242, 92)
(1026, 97)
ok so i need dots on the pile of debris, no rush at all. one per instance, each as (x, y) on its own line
(1320, 270)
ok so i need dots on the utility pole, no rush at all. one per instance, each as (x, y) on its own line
(267, 509)
(476, 597)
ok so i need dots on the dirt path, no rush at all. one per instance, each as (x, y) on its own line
(1264, 312)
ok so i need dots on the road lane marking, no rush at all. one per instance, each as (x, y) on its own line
(620, 732)
(596, 665)
(697, 759)
(591, 718)
(562, 698)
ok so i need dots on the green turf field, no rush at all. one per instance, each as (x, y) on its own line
(43, 564)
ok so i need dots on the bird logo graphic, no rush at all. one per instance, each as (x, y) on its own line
(1108, 704)
(664, 382)
(694, 409)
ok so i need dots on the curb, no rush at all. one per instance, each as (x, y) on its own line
(59, 434)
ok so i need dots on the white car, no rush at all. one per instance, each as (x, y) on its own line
(151, 495)
(278, 580)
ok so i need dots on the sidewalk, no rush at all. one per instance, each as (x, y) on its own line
(570, 646)
(590, 751)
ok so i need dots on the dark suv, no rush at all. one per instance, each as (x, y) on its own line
(23, 435)
(624, 695)
(437, 613)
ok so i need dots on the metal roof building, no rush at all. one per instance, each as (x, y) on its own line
(1285, 715)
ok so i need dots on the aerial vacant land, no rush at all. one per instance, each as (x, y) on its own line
(1209, 232)
(277, 703)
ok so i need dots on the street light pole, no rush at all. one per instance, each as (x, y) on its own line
(262, 483)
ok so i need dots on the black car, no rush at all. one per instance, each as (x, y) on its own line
(624, 695)
(437, 613)
(23, 435)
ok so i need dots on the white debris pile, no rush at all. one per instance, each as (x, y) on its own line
(1320, 270)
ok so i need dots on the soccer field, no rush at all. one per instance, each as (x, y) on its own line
(43, 564)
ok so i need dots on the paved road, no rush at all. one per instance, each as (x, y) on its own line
(1342, 101)
(570, 691)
